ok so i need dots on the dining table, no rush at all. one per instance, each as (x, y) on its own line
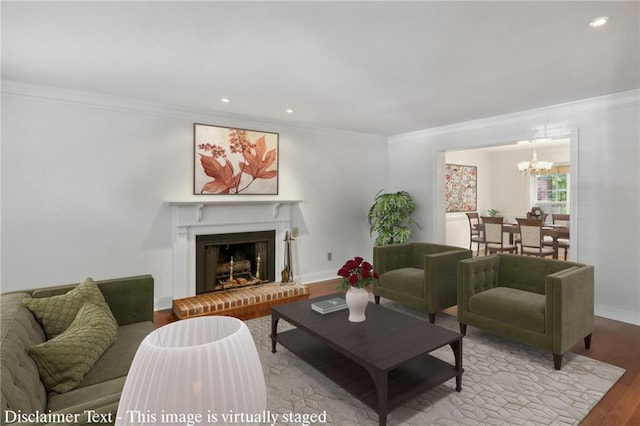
(554, 231)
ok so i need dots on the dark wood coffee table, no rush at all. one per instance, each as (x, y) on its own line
(383, 361)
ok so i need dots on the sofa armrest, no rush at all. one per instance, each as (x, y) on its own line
(570, 302)
(390, 257)
(475, 275)
(441, 277)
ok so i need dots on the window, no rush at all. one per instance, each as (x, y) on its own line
(550, 192)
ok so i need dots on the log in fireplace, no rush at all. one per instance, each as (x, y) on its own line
(225, 261)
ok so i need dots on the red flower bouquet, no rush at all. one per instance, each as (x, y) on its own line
(357, 273)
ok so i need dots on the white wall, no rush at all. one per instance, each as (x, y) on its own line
(605, 151)
(85, 179)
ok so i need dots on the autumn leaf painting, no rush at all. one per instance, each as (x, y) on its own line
(235, 161)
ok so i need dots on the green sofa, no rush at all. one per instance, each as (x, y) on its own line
(23, 392)
(420, 275)
(540, 302)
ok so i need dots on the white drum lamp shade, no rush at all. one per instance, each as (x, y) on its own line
(204, 366)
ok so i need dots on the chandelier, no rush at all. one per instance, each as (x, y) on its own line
(534, 167)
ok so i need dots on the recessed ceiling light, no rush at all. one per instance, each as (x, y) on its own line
(598, 22)
(225, 100)
(289, 111)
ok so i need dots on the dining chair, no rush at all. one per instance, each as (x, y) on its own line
(475, 234)
(493, 236)
(531, 239)
(561, 220)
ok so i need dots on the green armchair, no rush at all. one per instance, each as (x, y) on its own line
(420, 275)
(540, 302)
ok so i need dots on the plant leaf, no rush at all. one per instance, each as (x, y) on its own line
(256, 165)
(215, 187)
(223, 175)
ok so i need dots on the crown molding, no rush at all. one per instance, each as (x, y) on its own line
(92, 99)
(140, 106)
(582, 106)
(96, 100)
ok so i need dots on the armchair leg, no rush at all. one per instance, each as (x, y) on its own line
(587, 342)
(463, 329)
(557, 361)
(377, 299)
(432, 317)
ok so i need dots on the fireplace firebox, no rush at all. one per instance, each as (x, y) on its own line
(226, 261)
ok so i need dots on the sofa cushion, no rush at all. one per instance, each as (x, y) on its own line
(117, 359)
(64, 360)
(404, 280)
(92, 397)
(519, 308)
(56, 313)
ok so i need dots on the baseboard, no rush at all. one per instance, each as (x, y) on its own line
(317, 277)
(623, 315)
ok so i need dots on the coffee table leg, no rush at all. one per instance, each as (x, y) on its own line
(457, 353)
(380, 378)
(274, 331)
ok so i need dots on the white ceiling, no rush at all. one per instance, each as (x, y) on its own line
(375, 67)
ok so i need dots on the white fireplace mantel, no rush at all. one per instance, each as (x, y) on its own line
(195, 217)
(200, 205)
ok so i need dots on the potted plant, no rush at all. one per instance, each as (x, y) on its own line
(390, 217)
(493, 212)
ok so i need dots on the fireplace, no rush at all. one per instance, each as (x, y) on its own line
(193, 219)
(233, 260)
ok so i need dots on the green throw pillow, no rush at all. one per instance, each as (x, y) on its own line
(64, 360)
(56, 313)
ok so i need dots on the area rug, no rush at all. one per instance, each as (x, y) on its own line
(504, 383)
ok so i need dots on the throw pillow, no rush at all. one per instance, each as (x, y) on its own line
(56, 313)
(64, 360)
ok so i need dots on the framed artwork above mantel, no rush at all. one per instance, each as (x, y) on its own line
(461, 188)
(234, 161)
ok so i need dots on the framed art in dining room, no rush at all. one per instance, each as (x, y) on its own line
(230, 160)
(461, 191)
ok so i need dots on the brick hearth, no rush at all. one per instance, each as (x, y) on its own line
(243, 303)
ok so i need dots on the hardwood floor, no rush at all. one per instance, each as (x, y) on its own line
(613, 342)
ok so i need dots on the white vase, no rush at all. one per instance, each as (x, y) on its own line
(357, 300)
